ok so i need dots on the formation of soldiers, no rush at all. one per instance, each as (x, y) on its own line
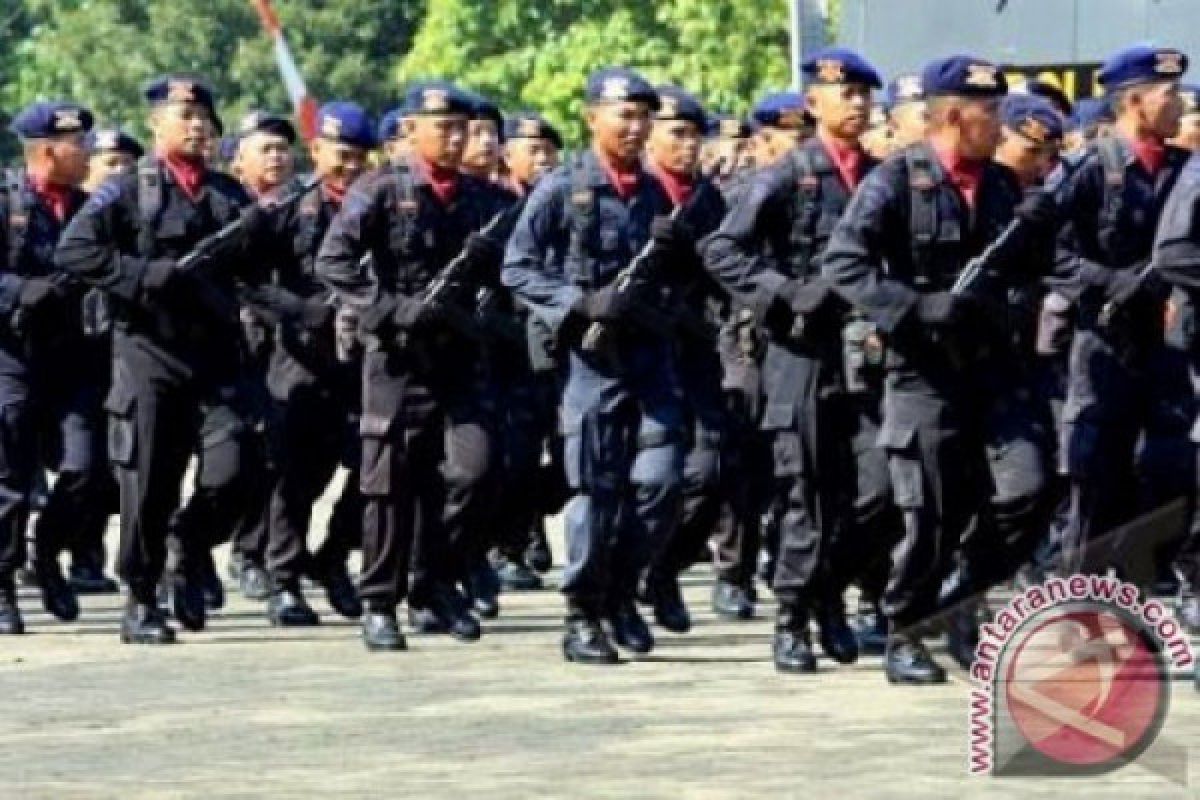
(924, 346)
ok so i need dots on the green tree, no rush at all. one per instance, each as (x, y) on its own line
(102, 51)
(539, 54)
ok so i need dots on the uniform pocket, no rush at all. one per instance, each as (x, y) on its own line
(375, 472)
(121, 405)
(907, 480)
(605, 447)
(788, 453)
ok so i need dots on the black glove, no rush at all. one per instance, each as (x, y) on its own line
(670, 233)
(1038, 209)
(481, 252)
(412, 313)
(603, 305)
(256, 220)
(1126, 284)
(159, 274)
(940, 309)
(37, 293)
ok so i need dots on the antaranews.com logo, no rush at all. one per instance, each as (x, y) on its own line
(1072, 677)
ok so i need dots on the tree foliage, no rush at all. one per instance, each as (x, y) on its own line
(539, 54)
(531, 53)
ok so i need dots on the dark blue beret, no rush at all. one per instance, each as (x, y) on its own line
(903, 89)
(389, 124)
(52, 118)
(530, 125)
(1142, 64)
(180, 89)
(483, 108)
(781, 110)
(675, 103)
(1190, 94)
(619, 84)
(963, 76)
(727, 126)
(1048, 91)
(437, 97)
(347, 123)
(1090, 111)
(838, 65)
(1033, 117)
(109, 140)
(267, 122)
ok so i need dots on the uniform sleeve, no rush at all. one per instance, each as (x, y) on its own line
(90, 247)
(734, 254)
(1177, 245)
(344, 258)
(854, 259)
(527, 271)
(1074, 273)
(10, 282)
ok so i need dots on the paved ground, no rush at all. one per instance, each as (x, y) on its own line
(245, 711)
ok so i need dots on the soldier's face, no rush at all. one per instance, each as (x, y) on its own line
(183, 129)
(619, 130)
(843, 110)
(909, 123)
(1031, 161)
(773, 143)
(530, 159)
(979, 128)
(438, 138)
(482, 151)
(877, 141)
(396, 149)
(103, 166)
(1189, 133)
(265, 160)
(1161, 108)
(730, 155)
(337, 163)
(675, 145)
(68, 159)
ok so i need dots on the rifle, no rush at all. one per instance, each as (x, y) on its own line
(975, 272)
(598, 338)
(211, 249)
(444, 293)
(977, 267)
(1112, 309)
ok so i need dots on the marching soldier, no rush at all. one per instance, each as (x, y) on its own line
(784, 219)
(620, 409)
(391, 136)
(265, 168)
(51, 411)
(425, 445)
(894, 255)
(1125, 386)
(528, 395)
(713, 494)
(111, 152)
(314, 389)
(727, 152)
(908, 116)
(176, 352)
